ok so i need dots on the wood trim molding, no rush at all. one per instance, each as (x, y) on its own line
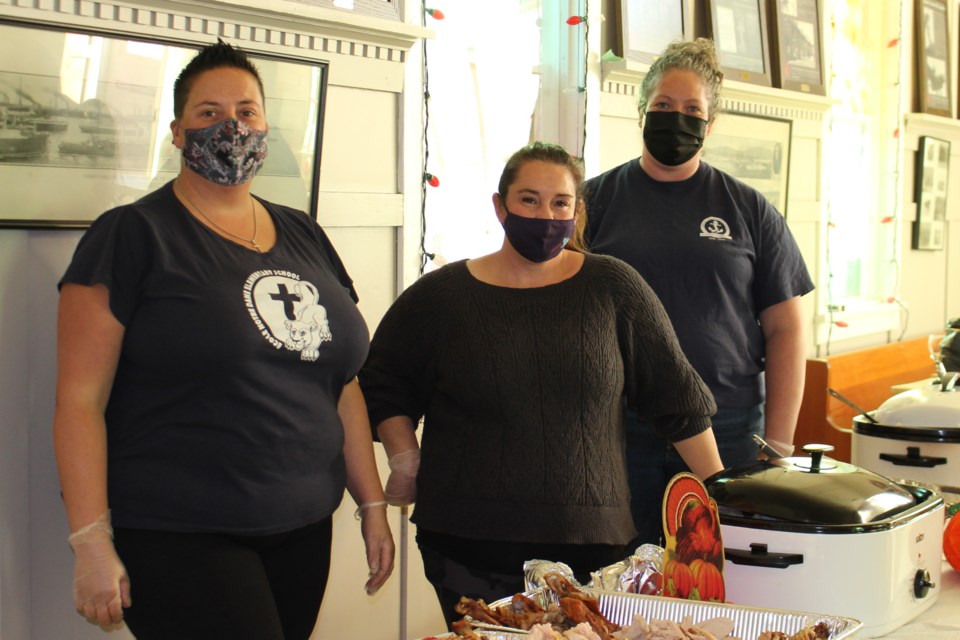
(270, 26)
(622, 78)
(925, 124)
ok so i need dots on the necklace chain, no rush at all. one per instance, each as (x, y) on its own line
(253, 210)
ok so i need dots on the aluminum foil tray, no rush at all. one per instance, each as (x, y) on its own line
(749, 622)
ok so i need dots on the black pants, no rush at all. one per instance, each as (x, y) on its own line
(204, 586)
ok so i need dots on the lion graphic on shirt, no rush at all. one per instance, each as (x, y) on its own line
(311, 328)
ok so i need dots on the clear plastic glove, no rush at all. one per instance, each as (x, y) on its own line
(101, 587)
(379, 545)
(401, 488)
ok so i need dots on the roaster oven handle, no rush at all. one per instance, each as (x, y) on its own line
(758, 556)
(913, 458)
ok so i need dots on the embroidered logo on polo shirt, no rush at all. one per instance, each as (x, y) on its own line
(715, 228)
(287, 311)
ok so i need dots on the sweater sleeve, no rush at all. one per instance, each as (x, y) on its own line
(397, 378)
(660, 383)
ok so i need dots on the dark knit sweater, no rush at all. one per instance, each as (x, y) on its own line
(522, 394)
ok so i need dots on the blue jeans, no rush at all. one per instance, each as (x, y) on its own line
(652, 462)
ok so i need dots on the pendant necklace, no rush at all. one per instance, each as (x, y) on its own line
(253, 209)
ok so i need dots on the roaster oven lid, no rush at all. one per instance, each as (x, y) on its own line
(926, 407)
(809, 489)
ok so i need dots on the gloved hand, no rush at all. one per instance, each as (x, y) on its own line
(401, 488)
(786, 449)
(101, 587)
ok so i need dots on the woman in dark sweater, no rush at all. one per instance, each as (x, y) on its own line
(520, 364)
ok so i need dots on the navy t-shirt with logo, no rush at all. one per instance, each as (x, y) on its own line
(715, 251)
(223, 413)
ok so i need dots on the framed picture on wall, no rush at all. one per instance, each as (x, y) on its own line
(933, 57)
(85, 125)
(930, 193)
(797, 48)
(648, 26)
(739, 29)
(755, 149)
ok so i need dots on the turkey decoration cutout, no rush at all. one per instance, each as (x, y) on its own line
(693, 554)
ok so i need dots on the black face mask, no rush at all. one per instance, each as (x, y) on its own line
(672, 137)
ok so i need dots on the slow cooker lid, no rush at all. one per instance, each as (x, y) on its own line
(808, 491)
(933, 406)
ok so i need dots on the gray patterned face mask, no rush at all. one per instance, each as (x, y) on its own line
(227, 153)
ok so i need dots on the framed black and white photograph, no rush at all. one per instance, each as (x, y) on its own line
(797, 48)
(648, 26)
(85, 125)
(739, 29)
(933, 57)
(930, 193)
(754, 149)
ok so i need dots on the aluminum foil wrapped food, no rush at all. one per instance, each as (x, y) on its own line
(534, 570)
(639, 573)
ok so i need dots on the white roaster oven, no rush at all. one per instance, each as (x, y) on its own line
(810, 533)
(914, 434)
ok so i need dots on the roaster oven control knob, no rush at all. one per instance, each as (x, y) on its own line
(922, 584)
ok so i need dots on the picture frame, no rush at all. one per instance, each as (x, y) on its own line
(754, 149)
(648, 26)
(930, 193)
(797, 46)
(933, 57)
(739, 31)
(85, 124)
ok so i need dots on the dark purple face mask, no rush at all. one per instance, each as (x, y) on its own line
(227, 153)
(537, 239)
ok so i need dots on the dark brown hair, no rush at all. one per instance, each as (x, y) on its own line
(212, 56)
(555, 154)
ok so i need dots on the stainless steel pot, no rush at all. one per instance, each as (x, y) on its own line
(816, 534)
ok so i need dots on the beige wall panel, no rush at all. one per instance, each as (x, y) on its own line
(620, 140)
(360, 209)
(619, 105)
(804, 188)
(370, 255)
(924, 277)
(360, 138)
(365, 73)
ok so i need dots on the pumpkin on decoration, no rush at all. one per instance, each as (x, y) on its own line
(951, 542)
(678, 579)
(708, 579)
